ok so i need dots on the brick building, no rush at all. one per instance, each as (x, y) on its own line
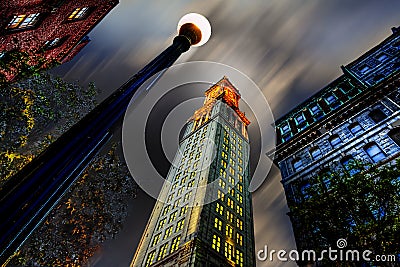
(49, 29)
(355, 117)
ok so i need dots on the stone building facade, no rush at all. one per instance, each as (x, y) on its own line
(355, 117)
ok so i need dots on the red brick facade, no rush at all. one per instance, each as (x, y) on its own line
(52, 23)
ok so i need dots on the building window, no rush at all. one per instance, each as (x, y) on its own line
(377, 115)
(53, 43)
(335, 140)
(163, 251)
(285, 128)
(183, 211)
(349, 164)
(394, 134)
(297, 164)
(175, 243)
(150, 258)
(229, 216)
(239, 258)
(23, 21)
(230, 203)
(229, 231)
(355, 128)
(166, 210)
(381, 57)
(161, 224)
(315, 153)
(239, 239)
(156, 239)
(316, 112)
(228, 251)
(332, 101)
(78, 13)
(168, 232)
(218, 224)
(304, 189)
(364, 69)
(216, 243)
(219, 209)
(374, 152)
(172, 217)
(179, 225)
(239, 224)
(239, 210)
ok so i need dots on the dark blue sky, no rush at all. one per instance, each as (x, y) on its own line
(290, 48)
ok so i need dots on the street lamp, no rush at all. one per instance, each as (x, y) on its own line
(27, 197)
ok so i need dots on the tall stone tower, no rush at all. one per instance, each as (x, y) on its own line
(203, 216)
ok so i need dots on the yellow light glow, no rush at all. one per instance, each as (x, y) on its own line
(201, 22)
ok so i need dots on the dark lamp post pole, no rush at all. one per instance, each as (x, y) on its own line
(29, 196)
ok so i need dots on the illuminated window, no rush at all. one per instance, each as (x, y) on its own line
(184, 179)
(225, 147)
(221, 183)
(240, 188)
(53, 43)
(229, 231)
(228, 251)
(170, 197)
(229, 216)
(223, 163)
(180, 190)
(226, 141)
(179, 225)
(219, 209)
(175, 244)
(78, 13)
(239, 258)
(239, 239)
(240, 178)
(230, 203)
(156, 239)
(239, 224)
(218, 224)
(187, 196)
(221, 195)
(23, 21)
(163, 251)
(232, 162)
(231, 171)
(224, 155)
(240, 140)
(239, 198)
(174, 185)
(222, 173)
(172, 217)
(177, 202)
(239, 210)
(166, 209)
(297, 164)
(192, 174)
(240, 147)
(233, 154)
(233, 141)
(240, 169)
(198, 155)
(231, 180)
(168, 232)
(161, 224)
(150, 258)
(240, 154)
(240, 161)
(190, 184)
(233, 147)
(183, 211)
(216, 243)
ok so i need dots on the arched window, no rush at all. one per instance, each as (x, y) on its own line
(335, 140)
(377, 115)
(374, 152)
(355, 128)
(315, 153)
(297, 164)
(394, 134)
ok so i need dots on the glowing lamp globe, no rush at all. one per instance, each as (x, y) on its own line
(196, 28)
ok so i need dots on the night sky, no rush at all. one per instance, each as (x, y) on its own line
(289, 48)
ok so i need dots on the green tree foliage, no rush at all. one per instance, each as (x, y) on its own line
(360, 204)
(33, 113)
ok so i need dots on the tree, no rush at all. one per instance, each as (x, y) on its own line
(360, 203)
